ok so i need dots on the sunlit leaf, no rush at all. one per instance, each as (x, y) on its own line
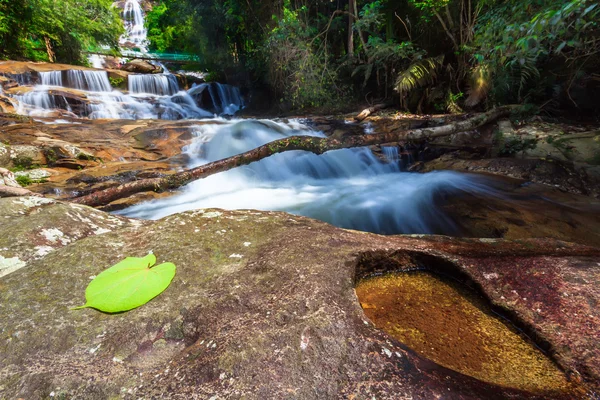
(128, 284)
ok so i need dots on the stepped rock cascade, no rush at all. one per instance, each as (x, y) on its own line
(40, 103)
(391, 153)
(88, 94)
(349, 188)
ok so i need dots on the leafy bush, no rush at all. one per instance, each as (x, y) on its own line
(299, 68)
(116, 82)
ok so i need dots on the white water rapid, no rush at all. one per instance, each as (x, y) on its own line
(348, 188)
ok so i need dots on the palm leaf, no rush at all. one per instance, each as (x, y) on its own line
(420, 73)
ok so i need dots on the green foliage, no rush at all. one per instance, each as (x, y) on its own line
(420, 73)
(595, 159)
(298, 67)
(128, 284)
(23, 180)
(311, 53)
(63, 27)
(23, 162)
(116, 82)
(524, 42)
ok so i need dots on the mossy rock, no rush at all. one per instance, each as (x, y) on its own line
(262, 303)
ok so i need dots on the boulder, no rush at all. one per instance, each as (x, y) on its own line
(141, 67)
(119, 78)
(263, 306)
(7, 178)
(25, 156)
(6, 104)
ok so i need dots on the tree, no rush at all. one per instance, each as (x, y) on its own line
(64, 27)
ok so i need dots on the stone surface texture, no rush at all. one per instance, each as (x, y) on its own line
(263, 307)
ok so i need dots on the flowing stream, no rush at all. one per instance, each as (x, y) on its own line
(349, 188)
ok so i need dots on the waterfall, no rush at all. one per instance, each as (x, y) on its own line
(93, 81)
(51, 78)
(22, 79)
(152, 97)
(39, 102)
(226, 98)
(96, 61)
(391, 153)
(349, 188)
(135, 32)
(158, 84)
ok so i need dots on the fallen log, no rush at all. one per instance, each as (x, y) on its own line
(314, 145)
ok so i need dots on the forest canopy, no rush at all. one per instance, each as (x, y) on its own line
(432, 54)
(425, 55)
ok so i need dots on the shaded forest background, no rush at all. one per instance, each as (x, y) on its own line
(425, 56)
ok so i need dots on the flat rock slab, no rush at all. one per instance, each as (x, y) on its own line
(263, 307)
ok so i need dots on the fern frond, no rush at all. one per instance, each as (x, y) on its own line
(420, 73)
(480, 86)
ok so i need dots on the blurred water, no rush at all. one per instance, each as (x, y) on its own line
(349, 188)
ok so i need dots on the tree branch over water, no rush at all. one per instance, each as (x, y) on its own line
(311, 144)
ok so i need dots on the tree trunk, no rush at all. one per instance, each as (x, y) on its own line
(351, 4)
(49, 50)
(314, 145)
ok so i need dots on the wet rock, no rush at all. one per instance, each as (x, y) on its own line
(571, 177)
(5, 160)
(263, 305)
(6, 104)
(119, 76)
(505, 127)
(141, 67)
(35, 174)
(74, 163)
(7, 178)
(24, 156)
(7, 83)
(49, 226)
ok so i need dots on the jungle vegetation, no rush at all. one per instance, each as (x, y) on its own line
(424, 55)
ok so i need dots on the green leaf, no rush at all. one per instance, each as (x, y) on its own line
(128, 284)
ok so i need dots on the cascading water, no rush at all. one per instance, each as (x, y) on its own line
(135, 32)
(391, 154)
(93, 81)
(224, 99)
(350, 188)
(152, 97)
(157, 84)
(51, 78)
(231, 100)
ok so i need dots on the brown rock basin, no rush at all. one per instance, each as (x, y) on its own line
(453, 326)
